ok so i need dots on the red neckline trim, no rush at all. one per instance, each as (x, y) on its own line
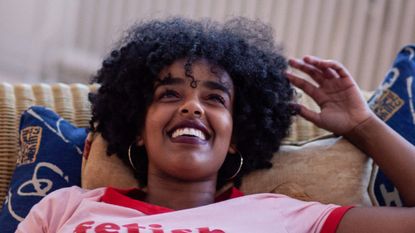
(229, 194)
(121, 197)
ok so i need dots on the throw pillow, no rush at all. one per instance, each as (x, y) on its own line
(394, 103)
(50, 158)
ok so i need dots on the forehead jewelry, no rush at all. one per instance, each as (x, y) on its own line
(129, 156)
(240, 166)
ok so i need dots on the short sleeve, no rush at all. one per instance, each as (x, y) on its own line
(334, 218)
(54, 209)
(302, 216)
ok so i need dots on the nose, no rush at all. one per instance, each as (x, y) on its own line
(191, 108)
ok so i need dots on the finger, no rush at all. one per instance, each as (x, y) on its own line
(309, 115)
(329, 73)
(310, 70)
(307, 87)
(328, 64)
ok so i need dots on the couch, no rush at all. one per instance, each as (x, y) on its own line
(311, 165)
(312, 175)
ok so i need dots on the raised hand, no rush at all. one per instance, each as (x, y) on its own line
(344, 111)
(341, 103)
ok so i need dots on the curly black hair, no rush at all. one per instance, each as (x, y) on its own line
(244, 48)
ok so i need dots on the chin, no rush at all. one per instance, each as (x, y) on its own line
(197, 173)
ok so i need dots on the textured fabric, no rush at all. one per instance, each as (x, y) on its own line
(50, 158)
(328, 170)
(113, 172)
(394, 103)
(94, 211)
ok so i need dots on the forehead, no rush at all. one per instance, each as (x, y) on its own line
(202, 71)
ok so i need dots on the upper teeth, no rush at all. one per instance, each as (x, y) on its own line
(189, 131)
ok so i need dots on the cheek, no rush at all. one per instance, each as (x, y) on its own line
(155, 122)
(224, 126)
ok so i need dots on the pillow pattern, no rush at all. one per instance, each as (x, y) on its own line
(394, 103)
(49, 158)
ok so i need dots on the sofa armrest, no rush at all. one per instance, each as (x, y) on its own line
(69, 101)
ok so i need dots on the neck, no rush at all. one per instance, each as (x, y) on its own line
(176, 194)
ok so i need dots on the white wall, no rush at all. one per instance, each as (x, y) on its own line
(58, 40)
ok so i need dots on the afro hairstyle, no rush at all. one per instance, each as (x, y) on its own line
(244, 48)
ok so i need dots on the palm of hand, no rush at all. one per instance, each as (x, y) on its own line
(342, 105)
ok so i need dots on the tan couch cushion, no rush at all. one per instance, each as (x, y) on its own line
(329, 170)
(100, 170)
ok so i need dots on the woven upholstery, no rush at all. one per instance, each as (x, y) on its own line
(71, 102)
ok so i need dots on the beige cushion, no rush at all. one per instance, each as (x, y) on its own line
(329, 170)
(100, 170)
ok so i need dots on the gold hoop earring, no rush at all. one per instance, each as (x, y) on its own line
(129, 156)
(239, 168)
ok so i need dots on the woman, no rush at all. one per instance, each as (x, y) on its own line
(192, 105)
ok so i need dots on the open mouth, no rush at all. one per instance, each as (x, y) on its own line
(189, 131)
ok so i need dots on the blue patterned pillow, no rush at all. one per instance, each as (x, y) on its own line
(50, 158)
(394, 103)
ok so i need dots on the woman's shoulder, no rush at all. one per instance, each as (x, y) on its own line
(76, 190)
(285, 204)
(73, 194)
(55, 208)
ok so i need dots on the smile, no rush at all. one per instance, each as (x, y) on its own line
(191, 132)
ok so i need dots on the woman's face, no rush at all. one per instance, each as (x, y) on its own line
(188, 128)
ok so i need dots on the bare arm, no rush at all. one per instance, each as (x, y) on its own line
(344, 112)
(396, 157)
(394, 154)
(378, 219)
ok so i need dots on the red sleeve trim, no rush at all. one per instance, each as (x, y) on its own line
(334, 218)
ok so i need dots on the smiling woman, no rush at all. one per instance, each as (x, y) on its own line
(167, 64)
(191, 105)
(188, 128)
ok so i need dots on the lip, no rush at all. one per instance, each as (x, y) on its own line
(187, 139)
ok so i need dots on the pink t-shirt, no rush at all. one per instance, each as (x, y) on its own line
(110, 210)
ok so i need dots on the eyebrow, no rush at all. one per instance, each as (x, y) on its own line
(168, 81)
(212, 85)
(217, 86)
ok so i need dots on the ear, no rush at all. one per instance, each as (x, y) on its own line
(140, 138)
(232, 149)
(140, 141)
